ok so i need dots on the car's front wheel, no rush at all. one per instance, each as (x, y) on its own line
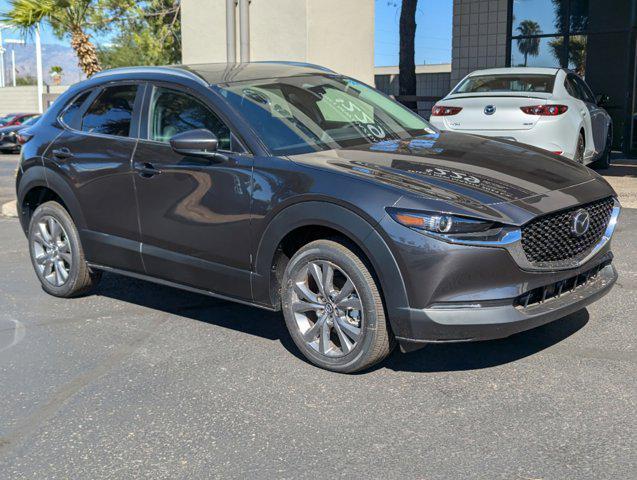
(333, 308)
(56, 253)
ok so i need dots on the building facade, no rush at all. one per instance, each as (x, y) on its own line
(596, 38)
(337, 34)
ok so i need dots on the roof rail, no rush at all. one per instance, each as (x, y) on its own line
(180, 72)
(298, 64)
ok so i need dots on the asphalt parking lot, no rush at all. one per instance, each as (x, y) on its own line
(144, 381)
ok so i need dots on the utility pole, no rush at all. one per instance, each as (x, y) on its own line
(38, 63)
(1, 61)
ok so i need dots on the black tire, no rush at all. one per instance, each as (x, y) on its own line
(375, 340)
(604, 161)
(579, 150)
(80, 278)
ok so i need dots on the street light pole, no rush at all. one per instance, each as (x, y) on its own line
(1, 61)
(13, 66)
(38, 62)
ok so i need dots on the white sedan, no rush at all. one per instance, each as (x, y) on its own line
(549, 108)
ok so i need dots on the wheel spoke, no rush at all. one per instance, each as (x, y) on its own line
(61, 269)
(351, 302)
(350, 330)
(345, 292)
(317, 275)
(42, 259)
(328, 278)
(314, 330)
(324, 338)
(44, 233)
(346, 344)
(304, 292)
(66, 257)
(306, 306)
(54, 229)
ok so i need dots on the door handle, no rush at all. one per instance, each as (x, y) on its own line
(62, 153)
(147, 170)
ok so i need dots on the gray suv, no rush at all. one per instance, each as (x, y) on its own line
(289, 187)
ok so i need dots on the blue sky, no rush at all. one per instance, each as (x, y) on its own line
(434, 19)
(433, 32)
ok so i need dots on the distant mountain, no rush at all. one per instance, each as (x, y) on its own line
(51, 55)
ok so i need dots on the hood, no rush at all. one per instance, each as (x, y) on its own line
(470, 171)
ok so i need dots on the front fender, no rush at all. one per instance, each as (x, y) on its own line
(348, 223)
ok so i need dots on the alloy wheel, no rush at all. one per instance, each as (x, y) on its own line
(52, 251)
(327, 309)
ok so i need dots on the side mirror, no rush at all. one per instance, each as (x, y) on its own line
(602, 100)
(197, 143)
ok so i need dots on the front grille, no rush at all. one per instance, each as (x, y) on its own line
(549, 238)
(543, 294)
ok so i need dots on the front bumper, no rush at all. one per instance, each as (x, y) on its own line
(464, 322)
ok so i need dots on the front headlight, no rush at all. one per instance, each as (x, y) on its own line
(440, 223)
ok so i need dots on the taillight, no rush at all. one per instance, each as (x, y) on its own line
(443, 111)
(24, 136)
(546, 110)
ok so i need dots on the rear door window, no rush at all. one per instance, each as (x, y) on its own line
(111, 112)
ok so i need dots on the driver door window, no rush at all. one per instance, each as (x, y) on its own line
(173, 112)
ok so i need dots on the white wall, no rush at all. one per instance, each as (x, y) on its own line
(23, 99)
(338, 34)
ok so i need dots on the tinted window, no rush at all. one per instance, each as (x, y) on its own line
(507, 83)
(111, 112)
(587, 95)
(301, 114)
(173, 112)
(72, 108)
(571, 88)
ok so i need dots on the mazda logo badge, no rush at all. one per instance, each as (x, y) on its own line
(489, 110)
(580, 222)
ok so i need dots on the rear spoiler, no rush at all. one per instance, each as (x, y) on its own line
(453, 97)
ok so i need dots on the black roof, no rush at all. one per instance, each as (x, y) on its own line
(218, 73)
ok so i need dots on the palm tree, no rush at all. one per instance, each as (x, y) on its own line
(67, 17)
(529, 46)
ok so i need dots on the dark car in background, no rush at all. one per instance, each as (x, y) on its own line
(9, 136)
(289, 187)
(15, 118)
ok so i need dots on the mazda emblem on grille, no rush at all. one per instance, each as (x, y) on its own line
(580, 222)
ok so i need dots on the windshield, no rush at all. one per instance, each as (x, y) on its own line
(320, 112)
(506, 83)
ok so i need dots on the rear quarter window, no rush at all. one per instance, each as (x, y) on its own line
(70, 110)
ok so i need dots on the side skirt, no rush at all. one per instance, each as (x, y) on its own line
(179, 286)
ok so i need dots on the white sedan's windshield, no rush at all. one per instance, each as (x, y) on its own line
(320, 112)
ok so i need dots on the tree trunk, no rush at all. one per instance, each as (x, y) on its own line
(407, 64)
(86, 53)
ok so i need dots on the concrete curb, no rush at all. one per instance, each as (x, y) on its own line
(10, 209)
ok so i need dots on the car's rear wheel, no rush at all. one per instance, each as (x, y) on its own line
(333, 308)
(579, 150)
(56, 253)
